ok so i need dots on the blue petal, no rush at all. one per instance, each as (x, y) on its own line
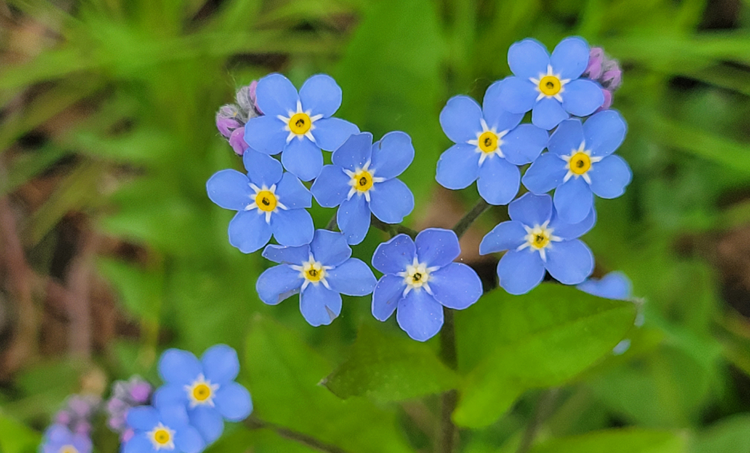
(604, 132)
(392, 154)
(461, 119)
(393, 256)
(523, 144)
(302, 158)
(320, 95)
(458, 167)
(353, 278)
(220, 364)
(437, 247)
(208, 422)
(569, 231)
(179, 367)
(331, 186)
(456, 286)
(167, 394)
(82, 443)
(286, 255)
(614, 285)
(354, 153)
(293, 227)
(266, 134)
(233, 402)
(531, 210)
(528, 58)
(330, 133)
(275, 95)
(319, 305)
(386, 295)
(520, 271)
(574, 200)
(569, 262)
(567, 138)
(391, 201)
(546, 173)
(143, 418)
(570, 58)
(517, 95)
(498, 181)
(248, 231)
(330, 248)
(505, 236)
(548, 113)
(189, 440)
(140, 443)
(277, 283)
(292, 193)
(262, 169)
(229, 189)
(59, 434)
(353, 218)
(610, 177)
(173, 415)
(494, 114)
(420, 315)
(582, 97)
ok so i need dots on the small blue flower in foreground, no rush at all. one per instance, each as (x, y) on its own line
(489, 145)
(363, 179)
(550, 85)
(536, 239)
(267, 202)
(58, 439)
(206, 388)
(162, 427)
(320, 272)
(420, 279)
(580, 162)
(614, 285)
(298, 125)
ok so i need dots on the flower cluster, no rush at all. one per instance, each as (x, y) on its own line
(71, 427)
(126, 395)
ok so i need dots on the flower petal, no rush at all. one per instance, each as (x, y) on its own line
(179, 367)
(391, 201)
(208, 422)
(302, 158)
(458, 167)
(505, 236)
(494, 114)
(548, 113)
(461, 119)
(143, 418)
(528, 58)
(266, 134)
(331, 186)
(278, 283)
(248, 231)
(170, 394)
(330, 133)
(614, 285)
(386, 295)
(233, 402)
(293, 227)
(320, 95)
(582, 97)
(275, 95)
(569, 262)
(545, 174)
(262, 169)
(173, 415)
(353, 277)
(353, 218)
(520, 271)
(420, 315)
(610, 177)
(82, 443)
(189, 440)
(570, 58)
(140, 443)
(569, 231)
(292, 193)
(393, 256)
(567, 138)
(531, 210)
(499, 181)
(437, 247)
(523, 144)
(392, 154)
(286, 255)
(517, 95)
(229, 189)
(574, 200)
(220, 364)
(330, 248)
(354, 153)
(604, 132)
(456, 286)
(319, 305)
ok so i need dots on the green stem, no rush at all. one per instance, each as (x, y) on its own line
(543, 410)
(332, 224)
(470, 217)
(393, 229)
(256, 423)
(449, 398)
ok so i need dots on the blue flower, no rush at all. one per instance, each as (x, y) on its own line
(320, 272)
(420, 279)
(489, 146)
(206, 388)
(363, 179)
(267, 202)
(162, 428)
(298, 125)
(614, 285)
(580, 163)
(550, 85)
(58, 439)
(537, 239)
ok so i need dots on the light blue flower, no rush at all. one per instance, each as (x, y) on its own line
(298, 125)
(362, 180)
(267, 202)
(550, 86)
(319, 272)
(420, 278)
(580, 164)
(162, 428)
(538, 240)
(489, 144)
(614, 285)
(58, 439)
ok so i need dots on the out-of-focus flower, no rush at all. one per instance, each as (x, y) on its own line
(614, 285)
(162, 427)
(77, 413)
(606, 71)
(126, 395)
(59, 439)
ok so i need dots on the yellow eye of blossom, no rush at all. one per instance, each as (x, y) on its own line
(540, 240)
(300, 123)
(314, 272)
(201, 392)
(580, 163)
(487, 142)
(417, 276)
(550, 85)
(162, 436)
(68, 449)
(362, 181)
(266, 200)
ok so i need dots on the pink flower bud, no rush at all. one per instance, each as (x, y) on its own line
(237, 140)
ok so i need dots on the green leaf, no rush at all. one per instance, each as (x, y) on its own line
(389, 368)
(540, 339)
(730, 435)
(15, 437)
(616, 441)
(141, 291)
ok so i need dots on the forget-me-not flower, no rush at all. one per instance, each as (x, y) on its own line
(267, 200)
(420, 279)
(298, 125)
(163, 429)
(580, 163)
(537, 239)
(550, 85)
(320, 272)
(59, 439)
(614, 285)
(490, 144)
(362, 180)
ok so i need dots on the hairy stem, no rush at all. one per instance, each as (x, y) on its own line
(304, 439)
(470, 217)
(543, 409)
(449, 398)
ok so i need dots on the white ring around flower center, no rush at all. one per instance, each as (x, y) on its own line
(558, 94)
(308, 130)
(417, 277)
(577, 157)
(201, 392)
(312, 271)
(539, 238)
(162, 437)
(265, 192)
(485, 154)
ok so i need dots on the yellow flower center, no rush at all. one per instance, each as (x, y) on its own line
(300, 123)
(313, 272)
(68, 449)
(487, 142)
(550, 85)
(266, 200)
(362, 181)
(162, 436)
(201, 392)
(580, 163)
(540, 240)
(417, 275)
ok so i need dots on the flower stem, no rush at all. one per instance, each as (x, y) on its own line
(542, 411)
(393, 229)
(256, 423)
(449, 398)
(470, 217)
(332, 223)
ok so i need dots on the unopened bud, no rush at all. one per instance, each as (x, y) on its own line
(237, 141)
